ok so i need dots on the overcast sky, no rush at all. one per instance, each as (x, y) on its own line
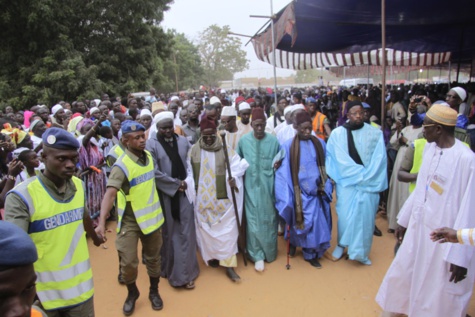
(194, 16)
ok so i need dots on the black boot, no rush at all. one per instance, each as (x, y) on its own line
(377, 232)
(154, 296)
(132, 297)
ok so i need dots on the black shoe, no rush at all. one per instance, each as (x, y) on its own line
(120, 279)
(315, 263)
(213, 263)
(156, 300)
(133, 295)
(154, 296)
(232, 274)
(377, 232)
(292, 250)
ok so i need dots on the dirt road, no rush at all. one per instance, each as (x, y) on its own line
(343, 288)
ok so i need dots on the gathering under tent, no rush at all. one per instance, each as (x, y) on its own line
(338, 33)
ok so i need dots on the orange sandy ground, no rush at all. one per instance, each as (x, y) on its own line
(343, 288)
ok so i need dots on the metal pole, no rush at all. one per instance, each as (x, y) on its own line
(273, 53)
(383, 48)
(450, 72)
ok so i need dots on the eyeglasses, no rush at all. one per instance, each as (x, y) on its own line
(451, 96)
(428, 125)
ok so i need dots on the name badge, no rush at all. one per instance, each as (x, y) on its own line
(439, 190)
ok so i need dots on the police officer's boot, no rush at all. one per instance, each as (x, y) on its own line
(132, 297)
(154, 296)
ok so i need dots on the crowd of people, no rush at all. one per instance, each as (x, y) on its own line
(227, 171)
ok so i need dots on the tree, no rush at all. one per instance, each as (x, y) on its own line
(80, 49)
(183, 66)
(221, 55)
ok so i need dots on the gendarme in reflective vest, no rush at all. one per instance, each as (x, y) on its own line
(116, 152)
(142, 196)
(63, 268)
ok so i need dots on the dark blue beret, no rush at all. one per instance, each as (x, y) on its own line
(60, 139)
(16, 246)
(129, 126)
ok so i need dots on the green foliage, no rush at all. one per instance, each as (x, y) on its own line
(76, 49)
(221, 55)
(183, 65)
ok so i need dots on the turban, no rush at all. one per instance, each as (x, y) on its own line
(17, 247)
(302, 117)
(442, 115)
(288, 109)
(207, 123)
(228, 111)
(93, 110)
(162, 116)
(258, 114)
(34, 123)
(249, 100)
(174, 98)
(15, 134)
(460, 92)
(214, 100)
(298, 107)
(55, 109)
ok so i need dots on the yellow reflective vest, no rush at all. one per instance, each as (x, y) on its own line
(115, 152)
(142, 196)
(63, 268)
(419, 145)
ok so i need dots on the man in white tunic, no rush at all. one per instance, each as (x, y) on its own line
(425, 278)
(216, 224)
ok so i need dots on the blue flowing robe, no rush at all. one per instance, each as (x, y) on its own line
(357, 186)
(315, 236)
(261, 216)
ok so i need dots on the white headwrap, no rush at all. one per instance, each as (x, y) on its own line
(214, 100)
(158, 118)
(244, 106)
(98, 102)
(93, 110)
(145, 112)
(174, 98)
(298, 107)
(228, 111)
(461, 92)
(56, 108)
(288, 109)
(33, 124)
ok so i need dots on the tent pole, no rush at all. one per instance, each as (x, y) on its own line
(273, 53)
(450, 72)
(383, 49)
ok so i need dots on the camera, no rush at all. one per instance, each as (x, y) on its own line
(419, 99)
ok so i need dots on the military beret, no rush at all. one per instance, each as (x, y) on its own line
(59, 139)
(17, 247)
(129, 126)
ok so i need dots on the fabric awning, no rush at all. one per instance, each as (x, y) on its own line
(331, 33)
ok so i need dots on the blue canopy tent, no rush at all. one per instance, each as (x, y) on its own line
(330, 33)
